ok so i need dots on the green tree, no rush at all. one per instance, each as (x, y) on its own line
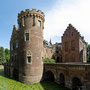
(47, 60)
(2, 55)
(7, 54)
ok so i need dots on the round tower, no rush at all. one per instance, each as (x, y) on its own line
(31, 24)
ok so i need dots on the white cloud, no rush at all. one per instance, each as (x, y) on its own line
(64, 12)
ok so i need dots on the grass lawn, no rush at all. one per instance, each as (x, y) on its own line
(10, 84)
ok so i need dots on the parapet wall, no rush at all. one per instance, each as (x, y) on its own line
(30, 13)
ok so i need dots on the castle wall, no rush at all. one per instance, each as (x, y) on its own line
(82, 50)
(47, 52)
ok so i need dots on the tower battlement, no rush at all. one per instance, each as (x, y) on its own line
(30, 13)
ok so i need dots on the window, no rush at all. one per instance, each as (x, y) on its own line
(11, 46)
(39, 23)
(29, 59)
(27, 36)
(16, 44)
(72, 34)
(15, 58)
(57, 52)
(20, 25)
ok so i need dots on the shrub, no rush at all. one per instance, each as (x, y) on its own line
(47, 60)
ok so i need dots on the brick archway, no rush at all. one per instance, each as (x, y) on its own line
(76, 83)
(49, 76)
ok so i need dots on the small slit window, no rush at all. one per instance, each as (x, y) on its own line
(20, 25)
(29, 59)
(39, 23)
(27, 36)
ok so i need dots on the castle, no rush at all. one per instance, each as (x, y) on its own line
(27, 48)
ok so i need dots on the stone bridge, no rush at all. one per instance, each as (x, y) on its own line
(72, 75)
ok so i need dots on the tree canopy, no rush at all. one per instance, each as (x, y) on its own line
(4, 55)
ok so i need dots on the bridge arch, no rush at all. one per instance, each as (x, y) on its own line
(62, 79)
(76, 83)
(49, 76)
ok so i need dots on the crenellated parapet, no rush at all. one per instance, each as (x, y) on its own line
(30, 13)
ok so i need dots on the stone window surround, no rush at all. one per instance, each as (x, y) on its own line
(28, 53)
(30, 59)
(27, 31)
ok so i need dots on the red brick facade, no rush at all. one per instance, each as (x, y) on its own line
(73, 46)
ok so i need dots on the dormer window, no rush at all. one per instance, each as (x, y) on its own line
(39, 23)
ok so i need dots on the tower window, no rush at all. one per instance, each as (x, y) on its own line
(39, 23)
(29, 59)
(27, 36)
(20, 25)
(16, 44)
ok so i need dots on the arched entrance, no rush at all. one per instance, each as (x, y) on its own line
(15, 74)
(49, 76)
(62, 80)
(76, 84)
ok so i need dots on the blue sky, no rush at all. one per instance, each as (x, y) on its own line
(9, 10)
(58, 14)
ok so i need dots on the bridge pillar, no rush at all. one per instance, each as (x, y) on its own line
(68, 84)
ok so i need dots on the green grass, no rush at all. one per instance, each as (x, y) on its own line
(10, 84)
